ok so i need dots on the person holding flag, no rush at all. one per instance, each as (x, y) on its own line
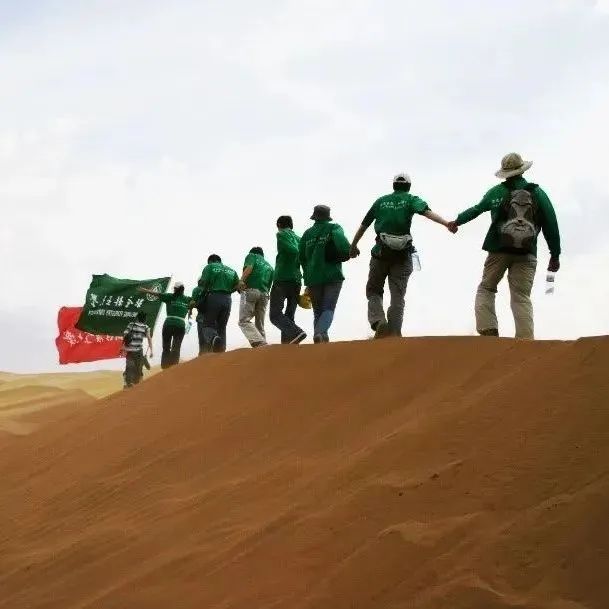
(174, 326)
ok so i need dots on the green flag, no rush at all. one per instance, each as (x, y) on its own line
(112, 303)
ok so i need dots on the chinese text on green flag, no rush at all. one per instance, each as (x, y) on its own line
(112, 303)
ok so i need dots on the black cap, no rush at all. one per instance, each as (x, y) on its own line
(321, 212)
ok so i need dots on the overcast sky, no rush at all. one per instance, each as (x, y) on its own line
(137, 137)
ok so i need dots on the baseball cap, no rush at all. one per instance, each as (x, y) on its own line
(402, 177)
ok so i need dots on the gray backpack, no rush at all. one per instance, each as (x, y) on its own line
(518, 224)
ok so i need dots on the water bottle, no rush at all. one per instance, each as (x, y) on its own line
(416, 261)
(550, 282)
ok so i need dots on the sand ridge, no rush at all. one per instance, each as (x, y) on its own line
(432, 473)
(28, 401)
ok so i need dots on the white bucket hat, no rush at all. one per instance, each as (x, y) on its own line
(178, 284)
(512, 165)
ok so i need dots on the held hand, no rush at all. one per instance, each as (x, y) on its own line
(554, 264)
(241, 286)
(452, 226)
(354, 251)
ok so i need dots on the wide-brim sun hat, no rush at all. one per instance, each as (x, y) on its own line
(512, 165)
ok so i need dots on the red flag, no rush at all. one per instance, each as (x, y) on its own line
(75, 346)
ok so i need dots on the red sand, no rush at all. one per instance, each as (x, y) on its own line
(448, 473)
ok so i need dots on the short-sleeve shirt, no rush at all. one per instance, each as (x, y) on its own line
(393, 213)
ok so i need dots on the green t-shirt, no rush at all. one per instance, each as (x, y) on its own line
(217, 277)
(393, 213)
(492, 201)
(287, 264)
(177, 309)
(261, 277)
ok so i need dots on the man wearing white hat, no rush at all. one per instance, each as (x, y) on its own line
(392, 254)
(174, 326)
(519, 211)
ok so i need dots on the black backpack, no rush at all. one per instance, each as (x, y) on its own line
(332, 253)
(518, 223)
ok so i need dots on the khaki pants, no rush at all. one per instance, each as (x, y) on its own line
(521, 272)
(397, 272)
(253, 306)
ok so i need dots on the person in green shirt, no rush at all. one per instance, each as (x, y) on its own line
(519, 210)
(286, 283)
(255, 285)
(391, 256)
(212, 299)
(322, 249)
(174, 326)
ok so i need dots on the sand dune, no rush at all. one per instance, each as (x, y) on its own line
(29, 400)
(96, 384)
(447, 473)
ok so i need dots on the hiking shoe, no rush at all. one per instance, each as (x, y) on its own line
(490, 332)
(256, 345)
(216, 344)
(298, 338)
(318, 338)
(382, 330)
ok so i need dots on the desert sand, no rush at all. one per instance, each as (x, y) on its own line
(25, 398)
(432, 473)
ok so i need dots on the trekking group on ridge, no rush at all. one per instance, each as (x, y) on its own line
(519, 211)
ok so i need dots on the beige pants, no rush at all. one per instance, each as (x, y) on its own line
(521, 272)
(253, 306)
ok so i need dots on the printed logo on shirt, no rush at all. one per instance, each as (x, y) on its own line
(400, 204)
(156, 287)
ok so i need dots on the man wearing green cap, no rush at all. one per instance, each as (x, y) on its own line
(519, 211)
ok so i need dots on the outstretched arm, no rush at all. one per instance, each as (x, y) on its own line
(147, 291)
(366, 222)
(354, 250)
(440, 220)
(473, 212)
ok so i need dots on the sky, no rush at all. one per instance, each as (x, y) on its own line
(137, 137)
